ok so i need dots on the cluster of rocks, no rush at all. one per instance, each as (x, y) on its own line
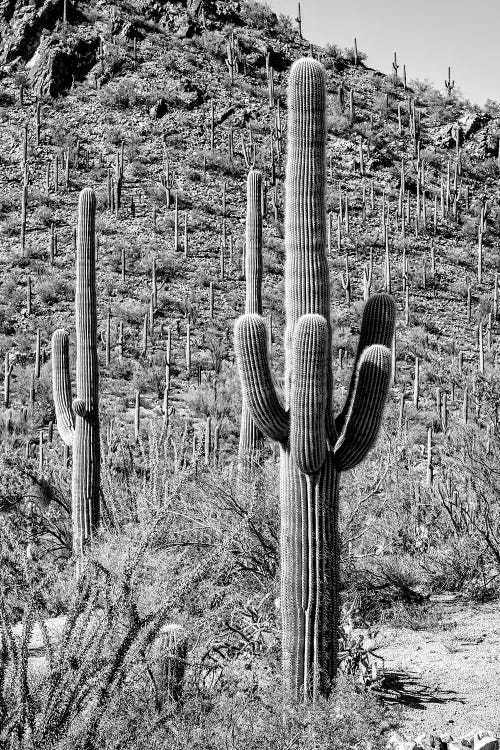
(479, 739)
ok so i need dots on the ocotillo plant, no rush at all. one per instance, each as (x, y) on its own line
(250, 437)
(314, 446)
(78, 422)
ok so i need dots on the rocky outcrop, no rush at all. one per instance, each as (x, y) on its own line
(22, 26)
(187, 95)
(57, 64)
(468, 125)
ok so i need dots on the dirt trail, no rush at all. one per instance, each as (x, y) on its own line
(448, 677)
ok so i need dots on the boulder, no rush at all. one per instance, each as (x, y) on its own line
(486, 743)
(398, 742)
(160, 109)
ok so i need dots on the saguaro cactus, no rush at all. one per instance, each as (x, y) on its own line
(251, 439)
(78, 422)
(314, 446)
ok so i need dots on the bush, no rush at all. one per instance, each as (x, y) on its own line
(121, 95)
(54, 291)
(350, 55)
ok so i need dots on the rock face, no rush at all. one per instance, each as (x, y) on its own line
(56, 64)
(468, 125)
(22, 26)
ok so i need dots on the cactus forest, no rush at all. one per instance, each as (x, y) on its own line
(249, 319)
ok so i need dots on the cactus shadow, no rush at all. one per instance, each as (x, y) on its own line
(408, 690)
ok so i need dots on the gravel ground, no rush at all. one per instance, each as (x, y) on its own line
(447, 678)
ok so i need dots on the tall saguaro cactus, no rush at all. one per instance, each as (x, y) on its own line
(78, 421)
(251, 439)
(314, 446)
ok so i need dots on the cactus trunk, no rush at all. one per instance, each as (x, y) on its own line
(86, 449)
(310, 558)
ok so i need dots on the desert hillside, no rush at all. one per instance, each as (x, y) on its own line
(172, 632)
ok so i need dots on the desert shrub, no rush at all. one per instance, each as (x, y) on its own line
(492, 108)
(337, 122)
(350, 55)
(11, 225)
(54, 290)
(482, 169)
(6, 205)
(220, 398)
(6, 99)
(380, 104)
(35, 540)
(138, 170)
(453, 565)
(410, 616)
(222, 163)
(120, 95)
(149, 376)
(260, 16)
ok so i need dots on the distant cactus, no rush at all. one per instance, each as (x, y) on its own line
(251, 439)
(315, 446)
(449, 84)
(78, 422)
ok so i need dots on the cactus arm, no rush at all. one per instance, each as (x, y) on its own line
(61, 386)
(253, 255)
(251, 439)
(362, 423)
(250, 339)
(377, 327)
(308, 393)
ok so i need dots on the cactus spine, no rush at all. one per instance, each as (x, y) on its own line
(78, 422)
(314, 447)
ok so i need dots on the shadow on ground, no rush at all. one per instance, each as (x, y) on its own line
(407, 690)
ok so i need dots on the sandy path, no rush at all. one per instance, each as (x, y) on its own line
(447, 678)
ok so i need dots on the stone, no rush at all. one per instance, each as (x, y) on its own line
(467, 740)
(486, 743)
(159, 110)
(394, 740)
(425, 740)
(398, 742)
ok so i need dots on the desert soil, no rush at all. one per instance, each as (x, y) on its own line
(446, 677)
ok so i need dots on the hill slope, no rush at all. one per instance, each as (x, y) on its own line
(139, 85)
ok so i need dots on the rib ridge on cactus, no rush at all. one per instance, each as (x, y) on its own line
(314, 447)
(78, 421)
